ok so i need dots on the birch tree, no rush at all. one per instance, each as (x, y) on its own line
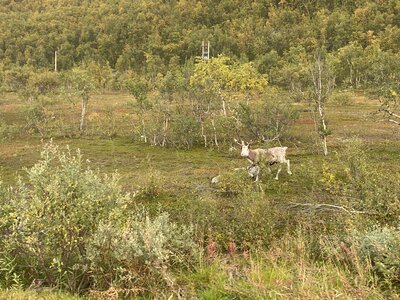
(390, 108)
(321, 88)
(169, 86)
(214, 77)
(384, 75)
(78, 83)
(219, 81)
(139, 89)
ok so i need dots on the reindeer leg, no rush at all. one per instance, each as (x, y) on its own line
(277, 174)
(271, 163)
(258, 173)
(288, 167)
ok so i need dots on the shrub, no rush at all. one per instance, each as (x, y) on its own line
(38, 118)
(8, 132)
(376, 195)
(16, 80)
(185, 129)
(235, 183)
(151, 185)
(52, 215)
(8, 275)
(341, 98)
(270, 118)
(44, 83)
(381, 246)
(151, 246)
(237, 213)
(69, 227)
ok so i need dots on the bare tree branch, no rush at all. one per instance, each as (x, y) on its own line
(394, 122)
(323, 207)
(270, 140)
(389, 112)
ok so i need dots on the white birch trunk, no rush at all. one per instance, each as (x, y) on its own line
(203, 134)
(215, 133)
(144, 128)
(165, 131)
(224, 107)
(82, 124)
(320, 102)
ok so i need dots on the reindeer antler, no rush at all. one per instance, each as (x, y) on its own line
(273, 139)
(237, 142)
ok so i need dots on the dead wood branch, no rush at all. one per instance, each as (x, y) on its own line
(322, 207)
(390, 113)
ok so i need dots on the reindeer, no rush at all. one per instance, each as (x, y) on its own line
(253, 171)
(270, 155)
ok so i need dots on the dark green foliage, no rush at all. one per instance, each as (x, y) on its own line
(185, 130)
(147, 37)
(268, 119)
(253, 44)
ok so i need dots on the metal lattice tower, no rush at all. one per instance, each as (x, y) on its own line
(205, 50)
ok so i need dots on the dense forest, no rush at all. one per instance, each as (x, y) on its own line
(363, 37)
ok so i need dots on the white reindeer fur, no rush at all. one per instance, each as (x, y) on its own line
(270, 156)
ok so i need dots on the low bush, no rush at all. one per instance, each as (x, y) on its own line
(8, 132)
(38, 119)
(53, 212)
(137, 254)
(66, 226)
(341, 98)
(235, 213)
(367, 190)
(151, 185)
(381, 247)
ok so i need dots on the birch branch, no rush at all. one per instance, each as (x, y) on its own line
(389, 112)
(392, 114)
(324, 207)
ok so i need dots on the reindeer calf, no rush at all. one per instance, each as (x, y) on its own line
(271, 156)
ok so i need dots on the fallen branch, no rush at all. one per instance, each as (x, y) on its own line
(321, 207)
(392, 114)
(393, 121)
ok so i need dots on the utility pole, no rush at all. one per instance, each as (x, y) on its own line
(55, 61)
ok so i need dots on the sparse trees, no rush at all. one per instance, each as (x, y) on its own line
(350, 65)
(169, 86)
(269, 118)
(214, 77)
(382, 77)
(217, 82)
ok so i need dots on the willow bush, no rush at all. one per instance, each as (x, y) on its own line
(58, 221)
